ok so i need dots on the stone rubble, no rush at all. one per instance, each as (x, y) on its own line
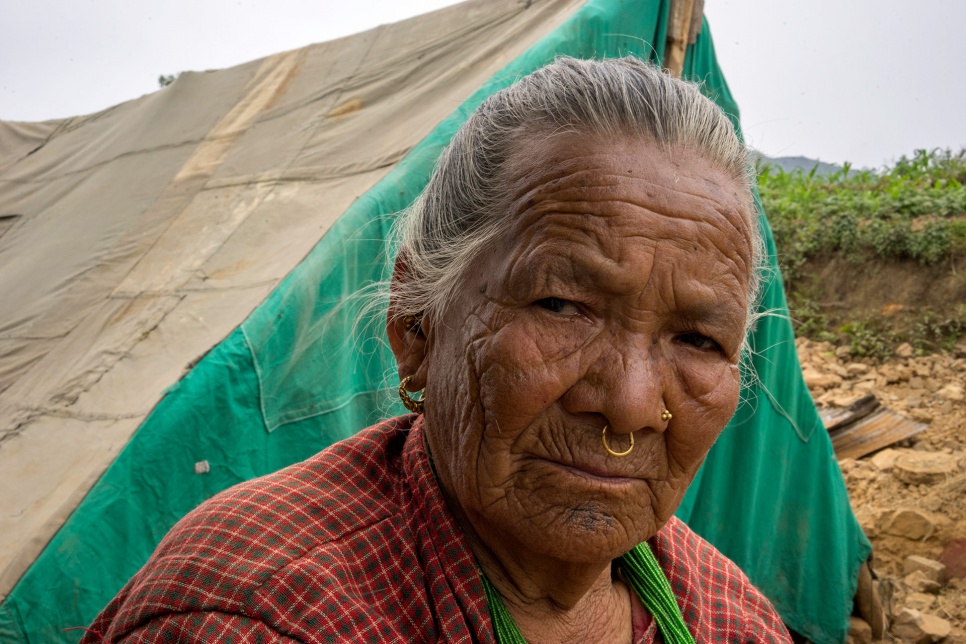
(909, 498)
(918, 582)
(920, 628)
(930, 568)
(954, 558)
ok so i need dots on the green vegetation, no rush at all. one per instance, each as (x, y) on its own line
(867, 339)
(926, 330)
(164, 81)
(914, 210)
(912, 213)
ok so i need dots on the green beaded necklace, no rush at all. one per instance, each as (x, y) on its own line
(645, 576)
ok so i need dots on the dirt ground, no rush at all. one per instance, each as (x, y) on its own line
(911, 497)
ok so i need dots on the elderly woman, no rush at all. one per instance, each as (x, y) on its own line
(572, 294)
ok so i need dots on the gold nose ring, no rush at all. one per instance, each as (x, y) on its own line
(603, 438)
(666, 415)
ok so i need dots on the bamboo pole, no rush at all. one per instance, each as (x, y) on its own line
(697, 15)
(684, 24)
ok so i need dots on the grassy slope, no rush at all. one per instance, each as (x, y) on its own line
(909, 218)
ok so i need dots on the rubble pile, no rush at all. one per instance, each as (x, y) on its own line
(910, 497)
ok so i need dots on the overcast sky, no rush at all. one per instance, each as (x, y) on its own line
(864, 81)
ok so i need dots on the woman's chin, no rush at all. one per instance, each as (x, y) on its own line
(574, 513)
(587, 532)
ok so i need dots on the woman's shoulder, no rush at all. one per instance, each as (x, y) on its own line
(220, 556)
(317, 500)
(714, 594)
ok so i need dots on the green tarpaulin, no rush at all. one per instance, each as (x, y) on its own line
(308, 368)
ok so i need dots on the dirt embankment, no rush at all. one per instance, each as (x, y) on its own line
(892, 290)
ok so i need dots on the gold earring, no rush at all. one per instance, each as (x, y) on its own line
(603, 438)
(666, 415)
(415, 406)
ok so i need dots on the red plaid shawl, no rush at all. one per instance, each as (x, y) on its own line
(357, 544)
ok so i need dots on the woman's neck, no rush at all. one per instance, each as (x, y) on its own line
(551, 600)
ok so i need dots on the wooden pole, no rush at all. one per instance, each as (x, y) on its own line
(684, 24)
(697, 15)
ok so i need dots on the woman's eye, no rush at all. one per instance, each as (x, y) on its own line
(698, 340)
(557, 305)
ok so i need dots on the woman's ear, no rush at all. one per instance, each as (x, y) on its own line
(407, 334)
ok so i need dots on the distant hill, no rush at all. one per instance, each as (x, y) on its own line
(789, 164)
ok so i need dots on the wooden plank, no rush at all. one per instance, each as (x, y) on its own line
(865, 427)
(835, 417)
(680, 18)
(872, 433)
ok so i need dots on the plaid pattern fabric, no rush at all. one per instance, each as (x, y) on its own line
(357, 544)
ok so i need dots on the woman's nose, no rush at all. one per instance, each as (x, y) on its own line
(628, 389)
(634, 398)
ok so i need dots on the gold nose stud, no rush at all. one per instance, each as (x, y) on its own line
(666, 415)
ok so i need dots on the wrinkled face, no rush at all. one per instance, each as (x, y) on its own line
(620, 291)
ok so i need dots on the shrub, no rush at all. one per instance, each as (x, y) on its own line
(869, 213)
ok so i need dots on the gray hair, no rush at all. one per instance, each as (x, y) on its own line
(464, 208)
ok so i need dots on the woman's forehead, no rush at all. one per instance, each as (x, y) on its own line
(550, 158)
(625, 193)
(662, 267)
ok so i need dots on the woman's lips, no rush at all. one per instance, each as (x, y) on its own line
(596, 471)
